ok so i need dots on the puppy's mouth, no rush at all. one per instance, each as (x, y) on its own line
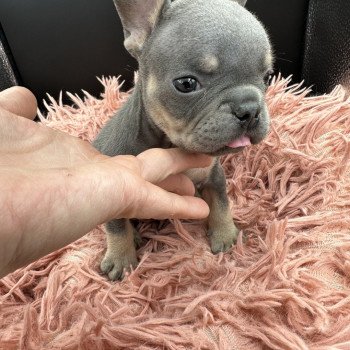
(235, 146)
(242, 141)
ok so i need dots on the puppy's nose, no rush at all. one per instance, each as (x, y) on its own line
(248, 111)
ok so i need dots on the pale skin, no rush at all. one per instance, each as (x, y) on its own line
(55, 188)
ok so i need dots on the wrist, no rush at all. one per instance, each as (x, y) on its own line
(44, 210)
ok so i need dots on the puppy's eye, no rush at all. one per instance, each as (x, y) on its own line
(186, 85)
(268, 77)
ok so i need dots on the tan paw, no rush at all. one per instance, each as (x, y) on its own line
(115, 265)
(222, 238)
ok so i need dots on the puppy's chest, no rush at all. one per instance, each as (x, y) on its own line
(199, 175)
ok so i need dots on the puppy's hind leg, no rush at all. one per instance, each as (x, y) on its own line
(121, 253)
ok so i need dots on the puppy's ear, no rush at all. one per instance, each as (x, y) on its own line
(138, 17)
(241, 2)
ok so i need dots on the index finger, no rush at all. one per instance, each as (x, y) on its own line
(157, 164)
(160, 204)
(20, 101)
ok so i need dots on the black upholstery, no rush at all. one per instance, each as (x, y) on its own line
(7, 67)
(63, 45)
(327, 46)
(286, 27)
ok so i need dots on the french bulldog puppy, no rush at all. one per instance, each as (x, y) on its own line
(203, 71)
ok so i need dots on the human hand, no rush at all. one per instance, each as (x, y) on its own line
(58, 187)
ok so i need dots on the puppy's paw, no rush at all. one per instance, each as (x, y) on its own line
(115, 265)
(222, 238)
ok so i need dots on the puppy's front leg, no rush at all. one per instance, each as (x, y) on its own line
(222, 231)
(121, 252)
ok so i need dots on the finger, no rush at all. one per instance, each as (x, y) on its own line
(179, 184)
(157, 164)
(20, 101)
(156, 203)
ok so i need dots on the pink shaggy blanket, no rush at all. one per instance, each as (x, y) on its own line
(285, 286)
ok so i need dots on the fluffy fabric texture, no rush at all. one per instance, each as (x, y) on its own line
(285, 285)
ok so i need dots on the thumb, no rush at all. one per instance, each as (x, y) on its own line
(20, 101)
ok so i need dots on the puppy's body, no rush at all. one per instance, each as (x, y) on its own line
(131, 131)
(202, 66)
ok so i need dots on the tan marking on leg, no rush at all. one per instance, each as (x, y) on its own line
(120, 254)
(199, 175)
(222, 231)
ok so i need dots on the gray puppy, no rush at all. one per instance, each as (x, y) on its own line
(203, 69)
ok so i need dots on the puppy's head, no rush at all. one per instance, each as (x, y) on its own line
(204, 66)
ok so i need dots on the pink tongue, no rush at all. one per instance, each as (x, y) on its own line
(241, 142)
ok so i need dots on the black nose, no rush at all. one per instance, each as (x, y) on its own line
(248, 112)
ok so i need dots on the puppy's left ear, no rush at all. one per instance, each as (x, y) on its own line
(138, 17)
